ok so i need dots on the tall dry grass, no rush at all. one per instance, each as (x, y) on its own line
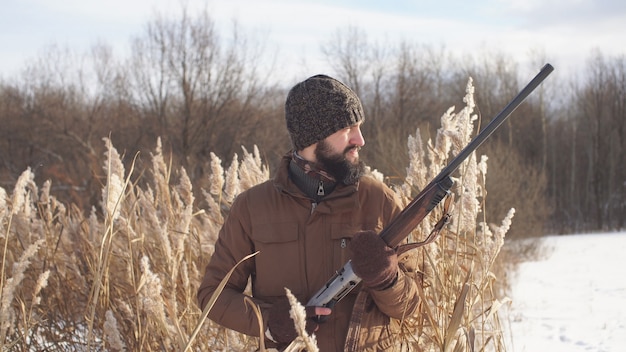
(124, 276)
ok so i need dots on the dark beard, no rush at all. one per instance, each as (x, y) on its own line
(337, 165)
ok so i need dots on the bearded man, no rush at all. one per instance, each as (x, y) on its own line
(317, 212)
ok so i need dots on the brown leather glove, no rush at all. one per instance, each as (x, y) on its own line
(373, 261)
(282, 327)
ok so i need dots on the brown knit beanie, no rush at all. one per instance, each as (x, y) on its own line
(319, 107)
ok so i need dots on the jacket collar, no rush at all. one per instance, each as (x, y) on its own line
(342, 196)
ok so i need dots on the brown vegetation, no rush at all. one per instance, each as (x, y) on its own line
(124, 276)
(183, 84)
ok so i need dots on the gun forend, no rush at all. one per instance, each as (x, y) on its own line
(336, 288)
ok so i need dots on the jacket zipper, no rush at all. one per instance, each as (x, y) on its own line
(313, 206)
(320, 189)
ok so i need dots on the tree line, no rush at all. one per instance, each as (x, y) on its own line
(559, 160)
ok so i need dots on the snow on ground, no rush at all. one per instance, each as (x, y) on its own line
(572, 300)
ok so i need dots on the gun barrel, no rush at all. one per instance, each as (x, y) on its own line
(495, 122)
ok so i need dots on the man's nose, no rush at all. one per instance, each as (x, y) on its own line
(357, 138)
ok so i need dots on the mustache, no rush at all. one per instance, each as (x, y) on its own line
(351, 147)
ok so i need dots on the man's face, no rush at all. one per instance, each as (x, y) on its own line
(338, 154)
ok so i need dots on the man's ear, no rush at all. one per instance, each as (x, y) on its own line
(308, 153)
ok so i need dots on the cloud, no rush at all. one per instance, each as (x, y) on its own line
(567, 29)
(564, 12)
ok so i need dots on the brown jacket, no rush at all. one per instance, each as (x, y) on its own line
(300, 246)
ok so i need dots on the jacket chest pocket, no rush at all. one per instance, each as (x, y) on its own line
(341, 235)
(278, 262)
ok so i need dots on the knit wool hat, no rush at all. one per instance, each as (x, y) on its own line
(319, 107)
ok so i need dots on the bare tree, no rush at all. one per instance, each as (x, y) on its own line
(349, 52)
(597, 115)
(205, 91)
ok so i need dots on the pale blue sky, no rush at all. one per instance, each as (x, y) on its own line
(565, 30)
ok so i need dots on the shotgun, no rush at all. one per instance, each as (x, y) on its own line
(401, 226)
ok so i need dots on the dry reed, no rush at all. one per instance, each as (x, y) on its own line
(124, 277)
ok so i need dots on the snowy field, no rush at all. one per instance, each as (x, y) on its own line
(574, 299)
